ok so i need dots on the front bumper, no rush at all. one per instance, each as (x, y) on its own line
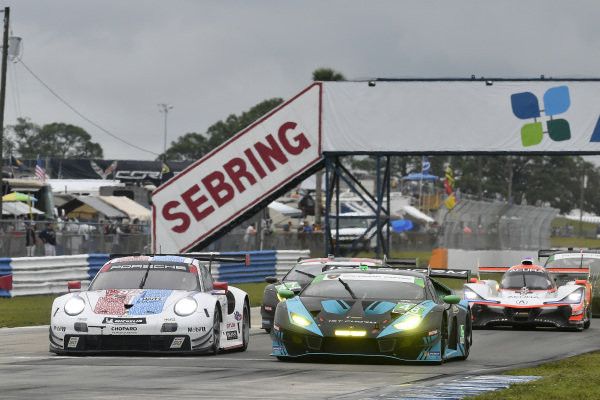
(555, 316)
(267, 313)
(122, 344)
(413, 346)
(94, 334)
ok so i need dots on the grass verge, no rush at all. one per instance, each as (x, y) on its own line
(572, 378)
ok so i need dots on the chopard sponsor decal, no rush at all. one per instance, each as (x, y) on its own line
(123, 328)
(123, 321)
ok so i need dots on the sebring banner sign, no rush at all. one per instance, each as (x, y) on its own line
(220, 187)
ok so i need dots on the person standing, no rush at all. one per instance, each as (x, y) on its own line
(48, 236)
(30, 238)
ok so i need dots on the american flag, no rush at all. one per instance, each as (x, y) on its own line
(40, 172)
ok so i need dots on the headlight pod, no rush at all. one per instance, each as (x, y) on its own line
(574, 297)
(185, 306)
(409, 322)
(299, 320)
(470, 295)
(74, 306)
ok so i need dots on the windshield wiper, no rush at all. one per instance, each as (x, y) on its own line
(306, 273)
(143, 282)
(347, 288)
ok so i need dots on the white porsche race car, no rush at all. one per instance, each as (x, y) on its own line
(528, 295)
(151, 304)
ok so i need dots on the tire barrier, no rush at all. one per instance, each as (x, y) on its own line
(25, 276)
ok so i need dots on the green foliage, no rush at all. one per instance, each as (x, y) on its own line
(327, 75)
(53, 140)
(193, 146)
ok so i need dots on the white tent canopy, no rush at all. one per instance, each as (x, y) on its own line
(130, 207)
(18, 208)
(286, 210)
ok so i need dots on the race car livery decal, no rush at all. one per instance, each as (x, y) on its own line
(379, 307)
(123, 321)
(401, 308)
(114, 300)
(335, 306)
(288, 285)
(150, 302)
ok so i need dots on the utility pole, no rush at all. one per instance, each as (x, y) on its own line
(3, 96)
(164, 108)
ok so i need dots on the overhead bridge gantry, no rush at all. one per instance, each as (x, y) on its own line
(382, 118)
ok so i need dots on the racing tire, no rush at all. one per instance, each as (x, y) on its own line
(443, 339)
(468, 337)
(588, 315)
(245, 328)
(216, 331)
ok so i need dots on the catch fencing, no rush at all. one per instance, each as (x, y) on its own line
(470, 225)
(479, 225)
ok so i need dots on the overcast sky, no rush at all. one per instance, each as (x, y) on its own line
(114, 61)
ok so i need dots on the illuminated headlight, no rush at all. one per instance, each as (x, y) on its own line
(574, 297)
(299, 320)
(410, 322)
(470, 295)
(74, 306)
(185, 306)
(350, 333)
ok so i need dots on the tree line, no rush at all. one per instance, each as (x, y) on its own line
(556, 181)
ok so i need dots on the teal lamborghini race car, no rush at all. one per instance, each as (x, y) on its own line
(381, 311)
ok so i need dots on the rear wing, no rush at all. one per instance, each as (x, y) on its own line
(210, 257)
(491, 270)
(464, 274)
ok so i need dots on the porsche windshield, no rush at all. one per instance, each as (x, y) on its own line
(366, 286)
(533, 280)
(146, 275)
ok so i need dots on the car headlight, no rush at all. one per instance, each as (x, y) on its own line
(299, 320)
(574, 297)
(470, 295)
(409, 322)
(74, 306)
(185, 306)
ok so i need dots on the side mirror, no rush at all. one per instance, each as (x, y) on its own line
(73, 285)
(581, 282)
(271, 279)
(451, 299)
(286, 293)
(220, 287)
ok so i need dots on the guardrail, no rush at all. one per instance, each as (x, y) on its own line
(25, 276)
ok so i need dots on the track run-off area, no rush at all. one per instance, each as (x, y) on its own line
(29, 371)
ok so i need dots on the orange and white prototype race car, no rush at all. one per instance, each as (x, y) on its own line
(531, 295)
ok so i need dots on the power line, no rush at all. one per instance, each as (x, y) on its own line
(80, 114)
